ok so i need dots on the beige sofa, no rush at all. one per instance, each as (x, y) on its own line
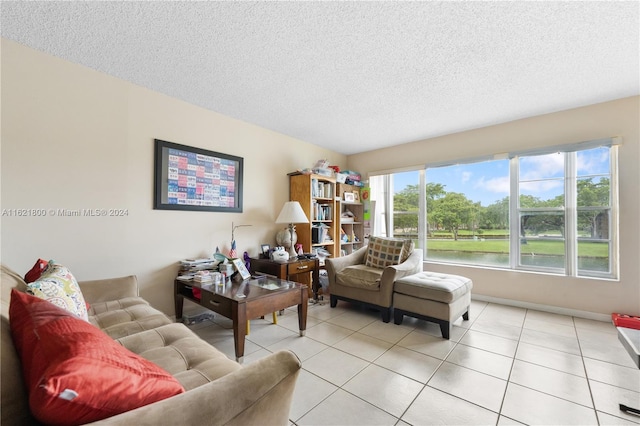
(218, 390)
(353, 281)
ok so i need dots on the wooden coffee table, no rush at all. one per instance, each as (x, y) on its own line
(242, 301)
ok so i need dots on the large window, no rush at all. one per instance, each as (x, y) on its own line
(541, 211)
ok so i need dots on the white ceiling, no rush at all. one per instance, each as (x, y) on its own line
(352, 76)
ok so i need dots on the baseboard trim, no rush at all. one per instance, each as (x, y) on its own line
(545, 308)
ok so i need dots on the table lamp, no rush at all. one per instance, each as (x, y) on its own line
(291, 213)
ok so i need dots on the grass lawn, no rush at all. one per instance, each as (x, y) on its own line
(585, 249)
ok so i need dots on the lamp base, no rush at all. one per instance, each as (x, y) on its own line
(292, 253)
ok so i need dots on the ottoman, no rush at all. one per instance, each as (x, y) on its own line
(432, 296)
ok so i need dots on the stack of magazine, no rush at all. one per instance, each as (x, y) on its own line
(189, 267)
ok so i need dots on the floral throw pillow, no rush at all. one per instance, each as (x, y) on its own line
(58, 286)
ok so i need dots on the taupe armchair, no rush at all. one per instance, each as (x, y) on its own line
(352, 281)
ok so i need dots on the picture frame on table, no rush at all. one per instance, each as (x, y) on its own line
(356, 196)
(241, 268)
(349, 197)
(265, 249)
(189, 178)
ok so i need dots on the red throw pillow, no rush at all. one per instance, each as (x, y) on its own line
(35, 272)
(74, 372)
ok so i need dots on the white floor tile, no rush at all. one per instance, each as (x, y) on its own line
(480, 360)
(558, 360)
(614, 353)
(536, 408)
(341, 408)
(436, 347)
(328, 334)
(506, 366)
(549, 318)
(551, 328)
(385, 389)
(416, 366)
(495, 328)
(609, 420)
(477, 388)
(552, 382)
(304, 347)
(506, 421)
(363, 346)
(551, 341)
(601, 326)
(613, 374)
(433, 329)
(490, 343)
(355, 319)
(433, 407)
(310, 391)
(607, 399)
(265, 333)
(334, 366)
(387, 331)
(324, 311)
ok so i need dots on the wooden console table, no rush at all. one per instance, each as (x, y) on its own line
(289, 270)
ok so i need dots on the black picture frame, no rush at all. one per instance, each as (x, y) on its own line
(265, 248)
(196, 179)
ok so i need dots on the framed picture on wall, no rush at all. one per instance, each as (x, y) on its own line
(188, 178)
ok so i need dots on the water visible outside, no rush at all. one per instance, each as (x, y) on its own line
(599, 264)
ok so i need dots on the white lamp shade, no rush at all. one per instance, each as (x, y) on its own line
(292, 213)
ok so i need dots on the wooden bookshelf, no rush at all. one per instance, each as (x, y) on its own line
(317, 196)
(353, 228)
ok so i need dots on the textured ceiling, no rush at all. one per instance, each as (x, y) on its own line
(351, 76)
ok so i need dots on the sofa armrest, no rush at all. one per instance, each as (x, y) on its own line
(258, 394)
(109, 289)
(337, 264)
(411, 266)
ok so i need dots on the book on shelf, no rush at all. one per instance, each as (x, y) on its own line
(322, 211)
(320, 234)
(321, 189)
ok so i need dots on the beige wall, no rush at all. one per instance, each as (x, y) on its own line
(73, 138)
(616, 118)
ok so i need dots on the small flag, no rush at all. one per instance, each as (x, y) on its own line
(233, 253)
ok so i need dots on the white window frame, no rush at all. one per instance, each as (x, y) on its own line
(570, 208)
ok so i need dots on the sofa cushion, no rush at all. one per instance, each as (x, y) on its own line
(383, 252)
(74, 372)
(360, 276)
(175, 348)
(436, 286)
(129, 315)
(59, 286)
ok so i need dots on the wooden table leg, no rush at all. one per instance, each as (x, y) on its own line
(179, 303)
(315, 281)
(239, 313)
(302, 311)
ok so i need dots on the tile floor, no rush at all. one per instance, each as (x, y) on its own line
(505, 366)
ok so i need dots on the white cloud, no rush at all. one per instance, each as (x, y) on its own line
(542, 166)
(466, 176)
(540, 187)
(591, 162)
(498, 185)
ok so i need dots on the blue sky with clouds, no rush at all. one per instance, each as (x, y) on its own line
(541, 176)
